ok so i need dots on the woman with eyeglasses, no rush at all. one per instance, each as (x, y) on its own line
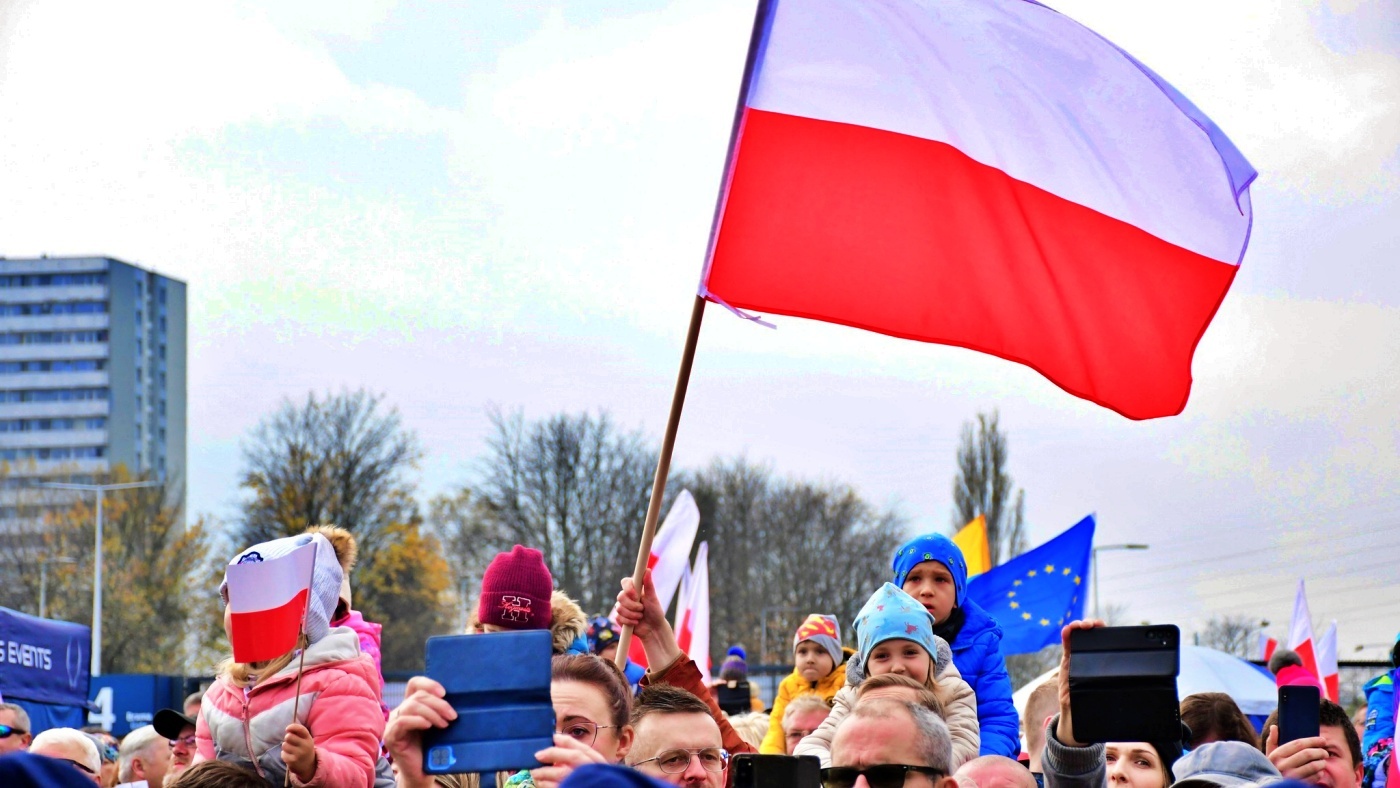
(592, 705)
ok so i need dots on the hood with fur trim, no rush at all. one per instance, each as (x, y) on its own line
(568, 625)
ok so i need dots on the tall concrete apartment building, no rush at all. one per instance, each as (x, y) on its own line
(92, 369)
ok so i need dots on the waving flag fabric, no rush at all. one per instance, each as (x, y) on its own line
(693, 611)
(1300, 633)
(988, 174)
(267, 602)
(1036, 593)
(1330, 672)
(670, 557)
(971, 539)
(1267, 646)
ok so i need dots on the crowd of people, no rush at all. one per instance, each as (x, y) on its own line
(922, 699)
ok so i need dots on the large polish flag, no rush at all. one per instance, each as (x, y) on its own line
(670, 557)
(1300, 633)
(988, 174)
(267, 602)
(1328, 669)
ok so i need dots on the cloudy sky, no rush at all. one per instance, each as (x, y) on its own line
(460, 204)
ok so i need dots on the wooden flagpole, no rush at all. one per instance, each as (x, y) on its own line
(762, 13)
(296, 698)
(663, 466)
(301, 660)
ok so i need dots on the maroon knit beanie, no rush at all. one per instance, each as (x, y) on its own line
(515, 590)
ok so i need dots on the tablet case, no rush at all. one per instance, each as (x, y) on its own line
(1122, 683)
(499, 685)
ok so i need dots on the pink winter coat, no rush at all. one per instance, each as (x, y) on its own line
(369, 644)
(339, 704)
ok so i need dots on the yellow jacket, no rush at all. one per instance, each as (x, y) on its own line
(791, 687)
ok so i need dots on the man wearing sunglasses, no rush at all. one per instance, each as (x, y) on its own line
(874, 748)
(14, 729)
(676, 739)
(72, 747)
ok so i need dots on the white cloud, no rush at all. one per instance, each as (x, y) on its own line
(1308, 116)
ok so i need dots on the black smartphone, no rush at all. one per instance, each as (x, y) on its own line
(1122, 683)
(776, 771)
(1299, 712)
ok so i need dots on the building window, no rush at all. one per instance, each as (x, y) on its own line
(53, 395)
(51, 337)
(54, 280)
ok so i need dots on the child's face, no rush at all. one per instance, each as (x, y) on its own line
(813, 662)
(931, 583)
(904, 657)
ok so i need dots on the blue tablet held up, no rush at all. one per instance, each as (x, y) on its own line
(499, 685)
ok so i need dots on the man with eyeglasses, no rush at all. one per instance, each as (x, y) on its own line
(676, 740)
(179, 730)
(14, 728)
(874, 748)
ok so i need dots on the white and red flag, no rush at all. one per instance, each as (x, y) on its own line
(988, 174)
(670, 557)
(1300, 634)
(693, 611)
(267, 598)
(1267, 647)
(1329, 671)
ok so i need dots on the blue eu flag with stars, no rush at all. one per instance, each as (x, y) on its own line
(1036, 593)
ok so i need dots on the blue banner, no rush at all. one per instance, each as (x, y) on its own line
(1036, 593)
(121, 703)
(44, 661)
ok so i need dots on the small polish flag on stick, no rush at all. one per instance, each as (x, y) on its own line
(267, 599)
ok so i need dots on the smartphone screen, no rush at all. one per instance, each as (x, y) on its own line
(1299, 712)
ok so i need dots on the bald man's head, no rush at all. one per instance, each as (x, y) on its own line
(996, 771)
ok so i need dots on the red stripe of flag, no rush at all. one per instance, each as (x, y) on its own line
(837, 222)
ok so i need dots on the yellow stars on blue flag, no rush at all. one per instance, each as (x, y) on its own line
(1033, 595)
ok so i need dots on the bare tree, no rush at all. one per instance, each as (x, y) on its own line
(783, 548)
(982, 486)
(574, 487)
(339, 459)
(344, 459)
(1232, 634)
(470, 538)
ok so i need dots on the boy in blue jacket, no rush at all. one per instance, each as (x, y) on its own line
(931, 569)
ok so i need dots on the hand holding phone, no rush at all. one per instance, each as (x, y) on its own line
(1295, 745)
(1122, 683)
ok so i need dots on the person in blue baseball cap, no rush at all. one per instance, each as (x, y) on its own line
(932, 569)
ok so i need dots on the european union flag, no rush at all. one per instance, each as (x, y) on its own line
(1036, 593)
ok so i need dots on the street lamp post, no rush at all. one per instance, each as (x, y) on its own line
(101, 490)
(1094, 557)
(44, 581)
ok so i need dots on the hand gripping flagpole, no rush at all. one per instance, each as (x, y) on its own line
(668, 442)
(663, 467)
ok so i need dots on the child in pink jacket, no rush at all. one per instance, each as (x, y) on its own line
(246, 716)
